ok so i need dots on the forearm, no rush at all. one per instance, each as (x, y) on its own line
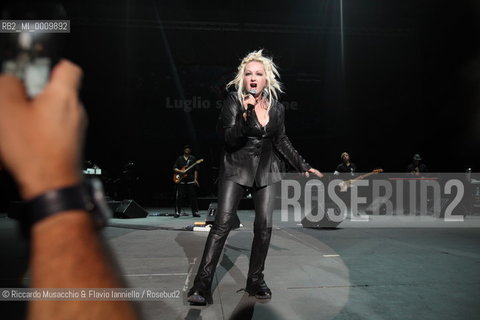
(67, 252)
(286, 149)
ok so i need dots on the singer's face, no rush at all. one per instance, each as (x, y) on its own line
(254, 77)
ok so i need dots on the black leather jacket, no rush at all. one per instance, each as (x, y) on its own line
(255, 154)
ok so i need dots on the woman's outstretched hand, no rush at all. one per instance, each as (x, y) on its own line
(313, 171)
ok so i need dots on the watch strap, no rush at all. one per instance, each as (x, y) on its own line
(69, 198)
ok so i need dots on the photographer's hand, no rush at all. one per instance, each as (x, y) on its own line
(41, 143)
(41, 140)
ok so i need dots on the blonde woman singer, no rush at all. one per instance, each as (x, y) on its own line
(255, 144)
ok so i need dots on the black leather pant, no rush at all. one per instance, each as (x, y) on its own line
(229, 197)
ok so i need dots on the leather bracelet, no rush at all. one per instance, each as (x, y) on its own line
(86, 196)
(58, 200)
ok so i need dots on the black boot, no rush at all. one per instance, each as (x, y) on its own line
(200, 293)
(255, 284)
(199, 298)
(259, 289)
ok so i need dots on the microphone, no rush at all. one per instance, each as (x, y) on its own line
(252, 91)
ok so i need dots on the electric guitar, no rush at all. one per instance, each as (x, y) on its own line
(178, 177)
(344, 185)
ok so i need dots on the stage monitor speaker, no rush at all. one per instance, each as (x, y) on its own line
(309, 221)
(130, 209)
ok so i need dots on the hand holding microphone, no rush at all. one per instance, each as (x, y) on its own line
(251, 98)
(249, 103)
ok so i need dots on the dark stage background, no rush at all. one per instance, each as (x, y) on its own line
(406, 81)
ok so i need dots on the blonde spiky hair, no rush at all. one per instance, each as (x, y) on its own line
(273, 87)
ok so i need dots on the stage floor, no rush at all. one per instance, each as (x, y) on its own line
(381, 269)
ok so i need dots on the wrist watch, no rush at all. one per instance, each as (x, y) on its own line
(87, 196)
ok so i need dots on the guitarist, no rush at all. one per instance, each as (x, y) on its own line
(346, 166)
(417, 167)
(187, 186)
(345, 171)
